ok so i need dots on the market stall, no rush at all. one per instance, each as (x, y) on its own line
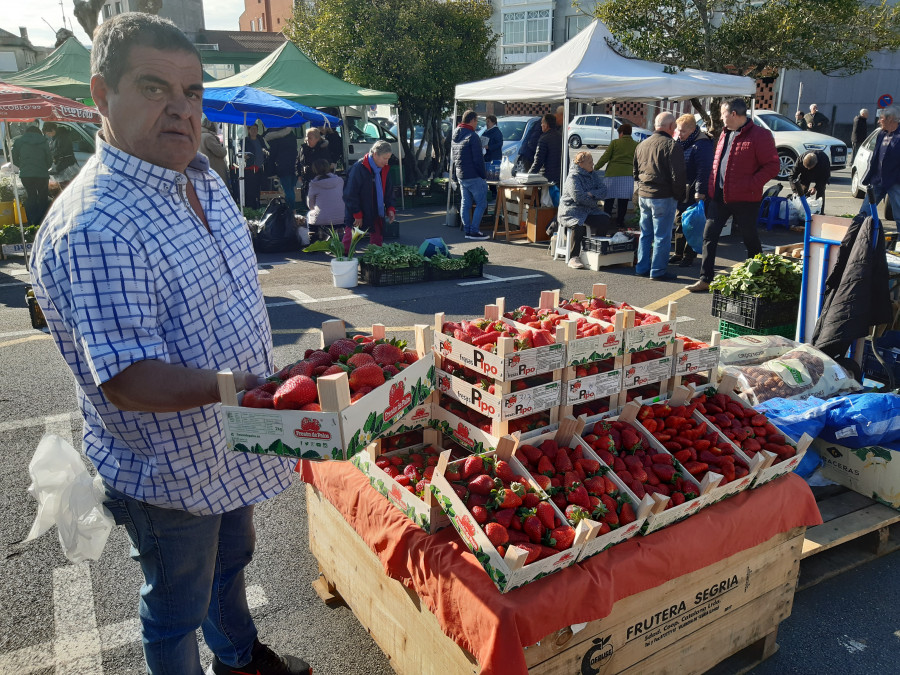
(65, 72)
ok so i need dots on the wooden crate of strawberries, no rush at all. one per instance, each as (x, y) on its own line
(583, 487)
(334, 401)
(753, 433)
(500, 512)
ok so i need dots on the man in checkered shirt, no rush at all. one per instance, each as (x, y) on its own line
(148, 280)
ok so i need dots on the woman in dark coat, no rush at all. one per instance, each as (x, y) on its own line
(367, 195)
(315, 147)
(65, 166)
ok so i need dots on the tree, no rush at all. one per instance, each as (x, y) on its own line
(88, 11)
(752, 38)
(420, 49)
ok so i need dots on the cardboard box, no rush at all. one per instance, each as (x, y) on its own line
(538, 220)
(504, 407)
(873, 471)
(466, 434)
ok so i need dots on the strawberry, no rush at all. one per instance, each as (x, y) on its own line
(481, 485)
(545, 467)
(546, 514)
(517, 537)
(534, 528)
(260, 397)
(504, 472)
(505, 517)
(460, 490)
(575, 514)
(301, 368)
(471, 466)
(571, 480)
(366, 376)
(595, 485)
(387, 354)
(410, 356)
(543, 481)
(562, 463)
(549, 448)
(341, 347)
(533, 551)
(295, 393)
(480, 514)
(411, 471)
(531, 500)
(532, 454)
(452, 473)
(319, 358)
(360, 359)
(579, 497)
(389, 372)
(509, 498)
(312, 407)
(334, 370)
(609, 503)
(497, 534)
(563, 537)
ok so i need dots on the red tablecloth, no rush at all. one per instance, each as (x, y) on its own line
(494, 626)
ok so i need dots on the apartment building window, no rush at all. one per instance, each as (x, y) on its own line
(118, 8)
(575, 24)
(526, 35)
(107, 11)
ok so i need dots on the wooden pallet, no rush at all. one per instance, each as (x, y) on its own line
(736, 631)
(856, 530)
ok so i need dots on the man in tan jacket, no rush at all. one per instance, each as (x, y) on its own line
(659, 181)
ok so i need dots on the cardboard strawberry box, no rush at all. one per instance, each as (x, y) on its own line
(504, 407)
(506, 564)
(663, 510)
(604, 530)
(774, 466)
(694, 356)
(418, 506)
(462, 431)
(335, 426)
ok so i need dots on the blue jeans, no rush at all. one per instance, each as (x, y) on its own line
(473, 190)
(657, 221)
(892, 193)
(193, 570)
(288, 183)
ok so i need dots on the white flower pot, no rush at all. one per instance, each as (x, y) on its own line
(345, 273)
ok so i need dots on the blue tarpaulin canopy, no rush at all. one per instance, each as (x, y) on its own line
(246, 105)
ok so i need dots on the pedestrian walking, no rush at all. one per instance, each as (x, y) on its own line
(698, 157)
(32, 155)
(860, 130)
(618, 158)
(146, 340)
(660, 179)
(816, 121)
(580, 205)
(368, 195)
(745, 160)
(811, 174)
(883, 172)
(467, 170)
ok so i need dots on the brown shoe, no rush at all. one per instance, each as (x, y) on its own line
(699, 287)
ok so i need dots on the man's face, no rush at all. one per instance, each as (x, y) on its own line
(312, 140)
(381, 160)
(889, 124)
(155, 114)
(544, 126)
(252, 132)
(813, 109)
(682, 132)
(730, 120)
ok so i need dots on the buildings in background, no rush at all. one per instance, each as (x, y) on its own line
(228, 52)
(265, 16)
(17, 53)
(186, 14)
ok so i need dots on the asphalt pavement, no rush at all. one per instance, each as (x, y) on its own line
(56, 617)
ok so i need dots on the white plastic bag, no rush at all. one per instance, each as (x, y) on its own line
(69, 498)
(546, 199)
(798, 215)
(506, 169)
(303, 235)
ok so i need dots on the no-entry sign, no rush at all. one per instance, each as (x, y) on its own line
(885, 100)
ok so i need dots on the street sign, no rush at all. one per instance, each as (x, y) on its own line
(885, 100)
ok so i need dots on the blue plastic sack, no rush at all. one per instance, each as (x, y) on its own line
(431, 246)
(796, 418)
(693, 221)
(860, 420)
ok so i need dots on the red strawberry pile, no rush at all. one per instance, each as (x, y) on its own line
(751, 431)
(594, 367)
(368, 362)
(698, 448)
(642, 469)
(484, 333)
(690, 344)
(413, 470)
(648, 354)
(577, 484)
(404, 440)
(548, 320)
(508, 509)
(531, 422)
(605, 310)
(591, 408)
(489, 384)
(642, 392)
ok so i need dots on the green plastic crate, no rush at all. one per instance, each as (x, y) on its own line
(730, 330)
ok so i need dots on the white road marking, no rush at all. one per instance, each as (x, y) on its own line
(261, 271)
(61, 425)
(12, 283)
(851, 645)
(304, 299)
(15, 425)
(16, 333)
(497, 280)
(78, 645)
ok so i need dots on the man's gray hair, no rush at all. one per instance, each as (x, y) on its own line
(381, 148)
(864, 112)
(891, 111)
(115, 37)
(664, 120)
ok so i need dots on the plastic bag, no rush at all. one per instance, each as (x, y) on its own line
(276, 229)
(303, 235)
(865, 419)
(800, 373)
(506, 169)
(798, 215)
(69, 498)
(693, 222)
(750, 350)
(546, 199)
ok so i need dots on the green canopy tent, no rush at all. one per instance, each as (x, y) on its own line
(65, 72)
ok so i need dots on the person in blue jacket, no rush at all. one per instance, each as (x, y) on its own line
(493, 152)
(467, 169)
(698, 158)
(368, 198)
(883, 172)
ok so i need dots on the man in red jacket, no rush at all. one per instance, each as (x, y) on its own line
(745, 160)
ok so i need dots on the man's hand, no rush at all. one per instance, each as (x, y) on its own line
(699, 197)
(357, 222)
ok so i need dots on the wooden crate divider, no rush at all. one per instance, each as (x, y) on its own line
(712, 374)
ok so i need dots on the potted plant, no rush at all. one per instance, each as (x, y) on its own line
(8, 203)
(762, 291)
(392, 264)
(344, 267)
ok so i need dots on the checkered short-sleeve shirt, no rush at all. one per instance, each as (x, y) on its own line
(125, 272)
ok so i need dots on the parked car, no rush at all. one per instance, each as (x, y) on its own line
(594, 130)
(82, 135)
(514, 129)
(861, 163)
(792, 141)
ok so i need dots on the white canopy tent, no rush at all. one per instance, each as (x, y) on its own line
(587, 69)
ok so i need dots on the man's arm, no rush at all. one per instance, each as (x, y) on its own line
(159, 387)
(539, 157)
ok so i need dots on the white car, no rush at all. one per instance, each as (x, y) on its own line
(861, 163)
(792, 141)
(594, 130)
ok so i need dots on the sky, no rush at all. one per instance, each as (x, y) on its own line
(219, 15)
